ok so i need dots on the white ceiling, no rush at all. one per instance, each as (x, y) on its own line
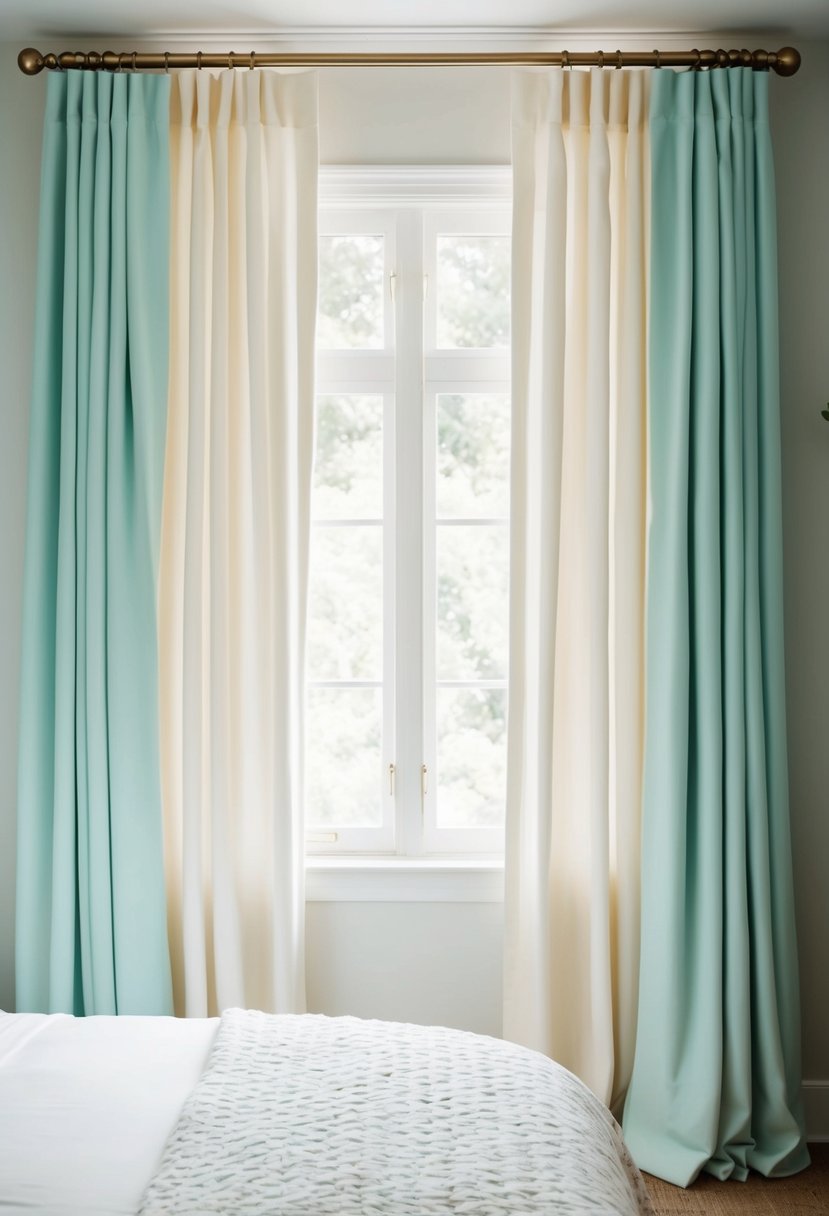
(135, 18)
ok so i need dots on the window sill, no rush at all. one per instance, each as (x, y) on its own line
(403, 880)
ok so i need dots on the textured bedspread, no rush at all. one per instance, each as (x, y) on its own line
(317, 1116)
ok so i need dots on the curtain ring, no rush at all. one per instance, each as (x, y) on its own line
(658, 55)
(618, 60)
(600, 57)
(198, 59)
(697, 60)
(133, 61)
(230, 62)
(167, 62)
(252, 60)
(565, 59)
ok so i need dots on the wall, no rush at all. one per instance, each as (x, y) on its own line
(21, 120)
(441, 962)
(800, 128)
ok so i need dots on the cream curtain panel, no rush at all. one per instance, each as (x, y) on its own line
(234, 560)
(578, 566)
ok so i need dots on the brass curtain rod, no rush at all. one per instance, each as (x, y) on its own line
(784, 62)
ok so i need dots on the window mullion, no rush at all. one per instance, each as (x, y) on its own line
(409, 484)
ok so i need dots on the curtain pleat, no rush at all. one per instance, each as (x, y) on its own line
(236, 533)
(716, 1082)
(577, 570)
(90, 932)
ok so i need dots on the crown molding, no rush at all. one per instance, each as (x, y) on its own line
(430, 33)
(415, 185)
(470, 37)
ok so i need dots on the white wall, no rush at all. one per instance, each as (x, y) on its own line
(441, 962)
(415, 116)
(801, 136)
(21, 120)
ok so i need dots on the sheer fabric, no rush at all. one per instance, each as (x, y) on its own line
(235, 534)
(577, 569)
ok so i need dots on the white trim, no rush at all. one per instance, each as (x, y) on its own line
(388, 880)
(816, 1109)
(477, 841)
(451, 186)
(409, 586)
(355, 372)
(513, 37)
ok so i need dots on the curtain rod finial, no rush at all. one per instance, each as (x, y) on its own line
(787, 61)
(30, 61)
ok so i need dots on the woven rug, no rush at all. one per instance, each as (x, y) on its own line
(800, 1195)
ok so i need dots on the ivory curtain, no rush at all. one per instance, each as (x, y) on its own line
(577, 570)
(236, 533)
(716, 1083)
(90, 931)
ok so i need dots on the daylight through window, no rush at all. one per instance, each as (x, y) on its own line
(408, 597)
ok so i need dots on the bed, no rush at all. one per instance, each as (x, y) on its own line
(296, 1116)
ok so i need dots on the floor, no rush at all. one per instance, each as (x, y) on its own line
(805, 1194)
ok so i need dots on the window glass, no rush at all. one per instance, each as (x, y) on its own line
(345, 634)
(348, 470)
(343, 757)
(473, 291)
(472, 756)
(472, 602)
(408, 604)
(473, 452)
(350, 304)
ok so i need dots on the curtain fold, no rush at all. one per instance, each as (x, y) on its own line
(235, 534)
(91, 917)
(577, 570)
(716, 1082)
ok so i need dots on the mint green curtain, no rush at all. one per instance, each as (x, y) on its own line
(716, 1079)
(91, 931)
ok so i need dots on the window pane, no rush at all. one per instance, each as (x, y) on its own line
(472, 602)
(350, 306)
(472, 757)
(473, 297)
(348, 469)
(342, 757)
(345, 637)
(473, 446)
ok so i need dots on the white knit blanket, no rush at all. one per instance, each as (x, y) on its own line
(317, 1116)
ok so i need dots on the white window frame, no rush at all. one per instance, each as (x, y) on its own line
(369, 372)
(451, 371)
(409, 206)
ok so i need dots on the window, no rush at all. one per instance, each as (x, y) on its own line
(408, 597)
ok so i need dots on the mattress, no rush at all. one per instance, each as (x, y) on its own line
(99, 1113)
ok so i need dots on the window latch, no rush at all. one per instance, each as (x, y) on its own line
(392, 772)
(393, 286)
(423, 786)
